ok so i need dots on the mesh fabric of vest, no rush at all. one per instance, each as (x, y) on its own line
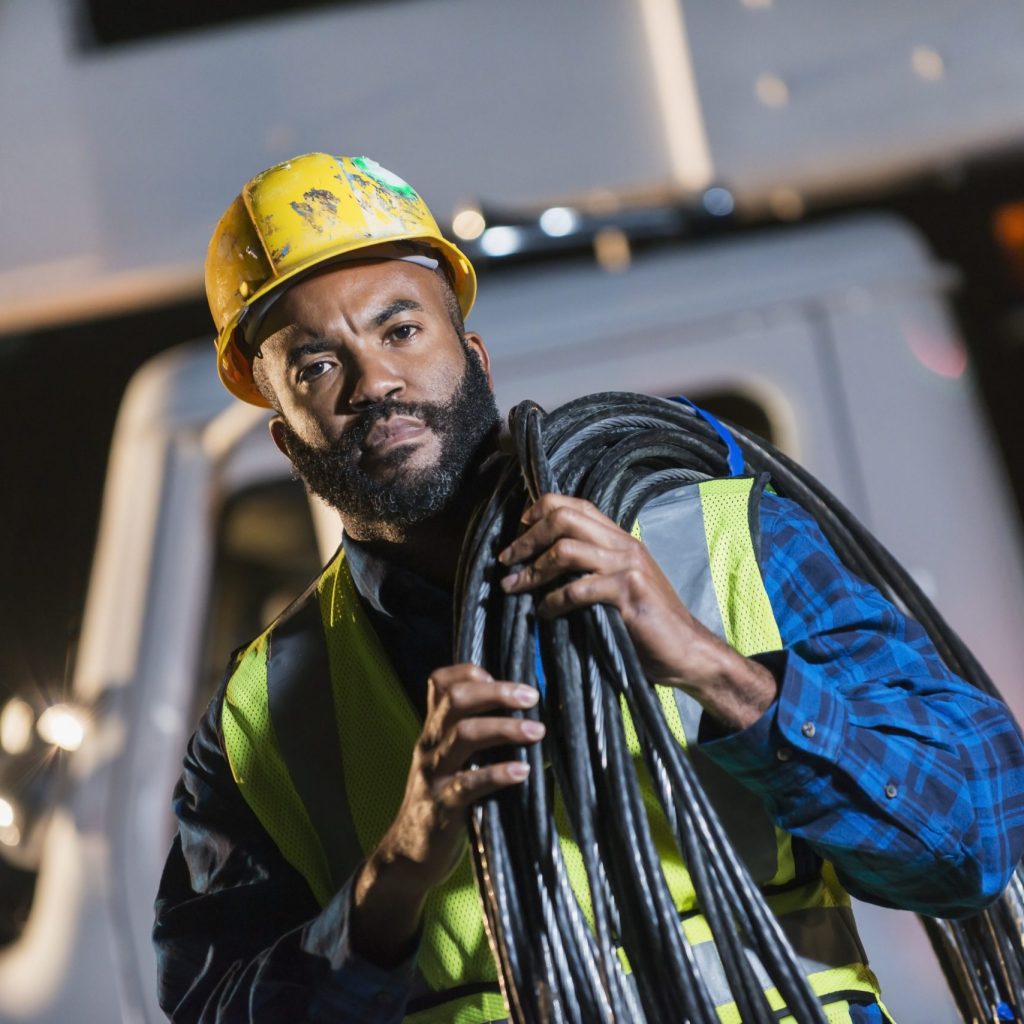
(260, 772)
(378, 729)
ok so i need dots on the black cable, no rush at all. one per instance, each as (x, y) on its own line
(620, 452)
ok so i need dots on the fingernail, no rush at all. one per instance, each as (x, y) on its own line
(518, 770)
(525, 696)
(533, 730)
(503, 557)
(509, 581)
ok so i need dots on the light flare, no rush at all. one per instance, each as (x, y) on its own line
(61, 725)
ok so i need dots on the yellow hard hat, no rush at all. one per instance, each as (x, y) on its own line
(298, 215)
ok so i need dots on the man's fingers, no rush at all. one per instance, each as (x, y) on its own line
(458, 725)
(470, 736)
(619, 590)
(564, 556)
(564, 521)
(451, 695)
(442, 679)
(466, 787)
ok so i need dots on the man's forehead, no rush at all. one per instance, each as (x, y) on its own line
(410, 252)
(364, 295)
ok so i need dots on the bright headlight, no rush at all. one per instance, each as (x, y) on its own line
(16, 721)
(10, 834)
(61, 725)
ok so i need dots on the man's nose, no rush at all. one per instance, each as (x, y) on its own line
(373, 378)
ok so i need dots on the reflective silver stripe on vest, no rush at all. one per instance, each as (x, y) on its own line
(823, 938)
(672, 528)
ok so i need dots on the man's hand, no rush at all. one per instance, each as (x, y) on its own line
(428, 837)
(569, 536)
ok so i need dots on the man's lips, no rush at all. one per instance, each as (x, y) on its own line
(385, 434)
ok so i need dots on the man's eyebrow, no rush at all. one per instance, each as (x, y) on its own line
(297, 352)
(398, 306)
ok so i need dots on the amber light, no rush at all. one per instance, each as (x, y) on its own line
(1008, 228)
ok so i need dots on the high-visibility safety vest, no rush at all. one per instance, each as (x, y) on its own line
(319, 733)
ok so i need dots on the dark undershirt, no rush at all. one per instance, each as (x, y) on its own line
(411, 616)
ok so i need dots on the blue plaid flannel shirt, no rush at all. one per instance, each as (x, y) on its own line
(908, 779)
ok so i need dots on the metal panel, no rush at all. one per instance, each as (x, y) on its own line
(513, 101)
(828, 95)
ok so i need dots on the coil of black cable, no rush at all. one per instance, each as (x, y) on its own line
(557, 962)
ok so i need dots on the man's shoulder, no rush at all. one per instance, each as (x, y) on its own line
(301, 615)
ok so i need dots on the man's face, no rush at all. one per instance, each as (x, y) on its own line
(384, 409)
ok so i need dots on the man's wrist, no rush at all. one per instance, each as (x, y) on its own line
(387, 908)
(733, 689)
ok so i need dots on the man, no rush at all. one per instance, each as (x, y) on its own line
(320, 867)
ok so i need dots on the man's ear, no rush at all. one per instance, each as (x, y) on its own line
(277, 433)
(476, 343)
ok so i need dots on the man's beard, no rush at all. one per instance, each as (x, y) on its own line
(385, 505)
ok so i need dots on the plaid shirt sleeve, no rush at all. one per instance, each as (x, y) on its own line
(909, 780)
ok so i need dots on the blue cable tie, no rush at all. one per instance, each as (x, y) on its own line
(737, 466)
(538, 664)
(1005, 1012)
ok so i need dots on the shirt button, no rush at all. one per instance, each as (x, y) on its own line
(891, 790)
(783, 753)
(807, 729)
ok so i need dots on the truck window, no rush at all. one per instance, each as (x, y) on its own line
(735, 408)
(265, 557)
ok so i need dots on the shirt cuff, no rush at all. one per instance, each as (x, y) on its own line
(355, 988)
(781, 754)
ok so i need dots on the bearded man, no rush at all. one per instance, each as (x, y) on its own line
(320, 868)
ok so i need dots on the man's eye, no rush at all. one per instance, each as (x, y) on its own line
(402, 332)
(313, 370)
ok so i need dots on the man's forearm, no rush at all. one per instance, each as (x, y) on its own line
(387, 910)
(734, 690)
(910, 817)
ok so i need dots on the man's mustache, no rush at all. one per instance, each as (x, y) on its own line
(427, 413)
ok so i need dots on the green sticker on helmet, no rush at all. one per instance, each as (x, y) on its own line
(383, 176)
